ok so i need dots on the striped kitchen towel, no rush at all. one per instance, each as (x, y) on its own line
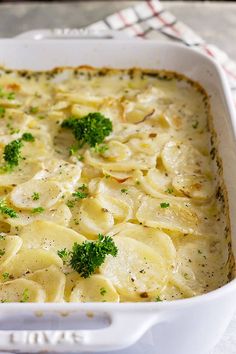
(150, 20)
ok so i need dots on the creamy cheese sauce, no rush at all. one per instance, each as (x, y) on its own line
(154, 185)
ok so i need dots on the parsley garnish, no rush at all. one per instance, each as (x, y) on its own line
(103, 291)
(164, 205)
(100, 149)
(91, 129)
(2, 252)
(81, 193)
(35, 196)
(70, 203)
(4, 209)
(11, 96)
(87, 257)
(73, 150)
(124, 190)
(25, 295)
(28, 137)
(7, 95)
(64, 254)
(169, 190)
(80, 158)
(33, 110)
(12, 153)
(195, 124)
(5, 275)
(2, 112)
(37, 210)
(158, 299)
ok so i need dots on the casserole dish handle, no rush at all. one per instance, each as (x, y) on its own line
(123, 330)
(72, 33)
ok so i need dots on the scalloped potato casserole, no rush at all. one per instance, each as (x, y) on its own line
(111, 188)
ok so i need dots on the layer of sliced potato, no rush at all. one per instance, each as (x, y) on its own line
(30, 260)
(21, 290)
(59, 214)
(120, 210)
(156, 239)
(179, 157)
(171, 215)
(72, 278)
(48, 193)
(136, 161)
(65, 173)
(9, 246)
(194, 186)
(94, 289)
(137, 271)
(22, 173)
(49, 236)
(91, 219)
(53, 282)
(116, 151)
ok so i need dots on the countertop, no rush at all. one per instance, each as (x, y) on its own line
(215, 22)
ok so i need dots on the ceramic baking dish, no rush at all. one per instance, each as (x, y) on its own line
(190, 326)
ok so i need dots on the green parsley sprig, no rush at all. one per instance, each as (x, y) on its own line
(12, 152)
(164, 205)
(4, 209)
(81, 193)
(37, 210)
(25, 296)
(91, 129)
(8, 95)
(87, 257)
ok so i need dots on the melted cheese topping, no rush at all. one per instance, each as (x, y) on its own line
(154, 188)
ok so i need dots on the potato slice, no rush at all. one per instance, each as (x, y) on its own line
(48, 192)
(53, 282)
(171, 215)
(136, 161)
(59, 214)
(21, 290)
(158, 240)
(137, 271)
(92, 218)
(117, 151)
(37, 150)
(71, 280)
(22, 173)
(94, 289)
(194, 186)
(49, 236)
(181, 158)
(120, 210)
(28, 261)
(9, 246)
(65, 173)
(81, 110)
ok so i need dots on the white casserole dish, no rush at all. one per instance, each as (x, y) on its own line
(179, 327)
